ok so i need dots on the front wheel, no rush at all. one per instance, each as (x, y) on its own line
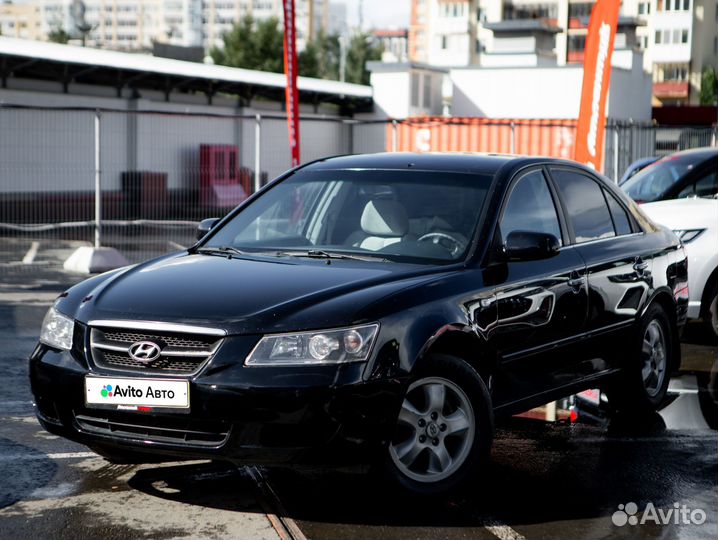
(710, 310)
(444, 429)
(643, 382)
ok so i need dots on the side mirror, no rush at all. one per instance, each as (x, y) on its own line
(205, 225)
(531, 246)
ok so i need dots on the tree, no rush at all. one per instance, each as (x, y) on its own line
(320, 58)
(709, 86)
(362, 49)
(58, 35)
(252, 45)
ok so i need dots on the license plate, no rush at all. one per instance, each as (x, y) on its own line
(129, 394)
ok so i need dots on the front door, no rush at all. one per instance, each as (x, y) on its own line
(541, 305)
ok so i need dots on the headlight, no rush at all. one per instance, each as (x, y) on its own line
(57, 330)
(688, 235)
(310, 348)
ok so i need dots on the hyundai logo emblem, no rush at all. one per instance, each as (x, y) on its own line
(145, 351)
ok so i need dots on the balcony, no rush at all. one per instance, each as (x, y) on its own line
(671, 89)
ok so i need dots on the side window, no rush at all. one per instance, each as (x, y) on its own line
(620, 219)
(530, 208)
(706, 186)
(585, 204)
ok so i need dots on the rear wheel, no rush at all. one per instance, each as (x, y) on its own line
(643, 382)
(444, 429)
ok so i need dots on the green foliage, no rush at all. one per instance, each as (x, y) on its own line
(260, 45)
(252, 45)
(58, 35)
(709, 86)
(362, 49)
(320, 58)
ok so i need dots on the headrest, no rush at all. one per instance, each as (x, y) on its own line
(384, 217)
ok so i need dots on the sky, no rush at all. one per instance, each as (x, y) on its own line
(379, 13)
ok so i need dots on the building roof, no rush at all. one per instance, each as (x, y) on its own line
(379, 66)
(522, 25)
(69, 63)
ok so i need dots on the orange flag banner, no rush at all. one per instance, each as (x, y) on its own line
(591, 126)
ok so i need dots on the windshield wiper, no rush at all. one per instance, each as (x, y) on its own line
(328, 255)
(221, 250)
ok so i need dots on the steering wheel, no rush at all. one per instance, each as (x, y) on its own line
(452, 244)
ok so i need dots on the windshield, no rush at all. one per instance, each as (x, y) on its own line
(653, 181)
(413, 216)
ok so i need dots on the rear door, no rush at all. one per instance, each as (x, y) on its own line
(541, 305)
(618, 258)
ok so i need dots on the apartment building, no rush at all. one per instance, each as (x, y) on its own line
(136, 24)
(20, 21)
(677, 37)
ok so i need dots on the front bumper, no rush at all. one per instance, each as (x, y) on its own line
(325, 414)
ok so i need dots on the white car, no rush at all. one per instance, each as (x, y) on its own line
(695, 221)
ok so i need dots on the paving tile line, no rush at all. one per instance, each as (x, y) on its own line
(285, 526)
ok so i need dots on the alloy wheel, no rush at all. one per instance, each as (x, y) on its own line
(435, 430)
(653, 354)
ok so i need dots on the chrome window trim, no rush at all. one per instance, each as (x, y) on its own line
(596, 240)
(157, 326)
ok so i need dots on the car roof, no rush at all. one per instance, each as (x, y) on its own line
(446, 161)
(699, 154)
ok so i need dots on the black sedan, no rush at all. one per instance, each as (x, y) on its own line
(691, 173)
(379, 308)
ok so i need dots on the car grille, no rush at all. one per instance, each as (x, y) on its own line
(173, 431)
(180, 353)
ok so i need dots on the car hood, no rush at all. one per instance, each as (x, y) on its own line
(679, 214)
(243, 295)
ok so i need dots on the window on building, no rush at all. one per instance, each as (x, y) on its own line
(686, 5)
(415, 87)
(658, 37)
(666, 36)
(427, 91)
(676, 36)
(684, 36)
(576, 43)
(444, 42)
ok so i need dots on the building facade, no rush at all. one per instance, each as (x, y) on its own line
(20, 21)
(678, 38)
(394, 43)
(135, 24)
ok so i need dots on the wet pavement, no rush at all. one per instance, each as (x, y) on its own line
(546, 479)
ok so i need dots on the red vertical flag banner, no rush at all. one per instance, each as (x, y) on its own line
(596, 80)
(290, 70)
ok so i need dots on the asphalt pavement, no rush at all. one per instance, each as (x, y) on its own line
(546, 479)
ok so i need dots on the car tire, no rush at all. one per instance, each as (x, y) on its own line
(710, 309)
(642, 383)
(444, 428)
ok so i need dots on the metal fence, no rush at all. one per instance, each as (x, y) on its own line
(140, 181)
